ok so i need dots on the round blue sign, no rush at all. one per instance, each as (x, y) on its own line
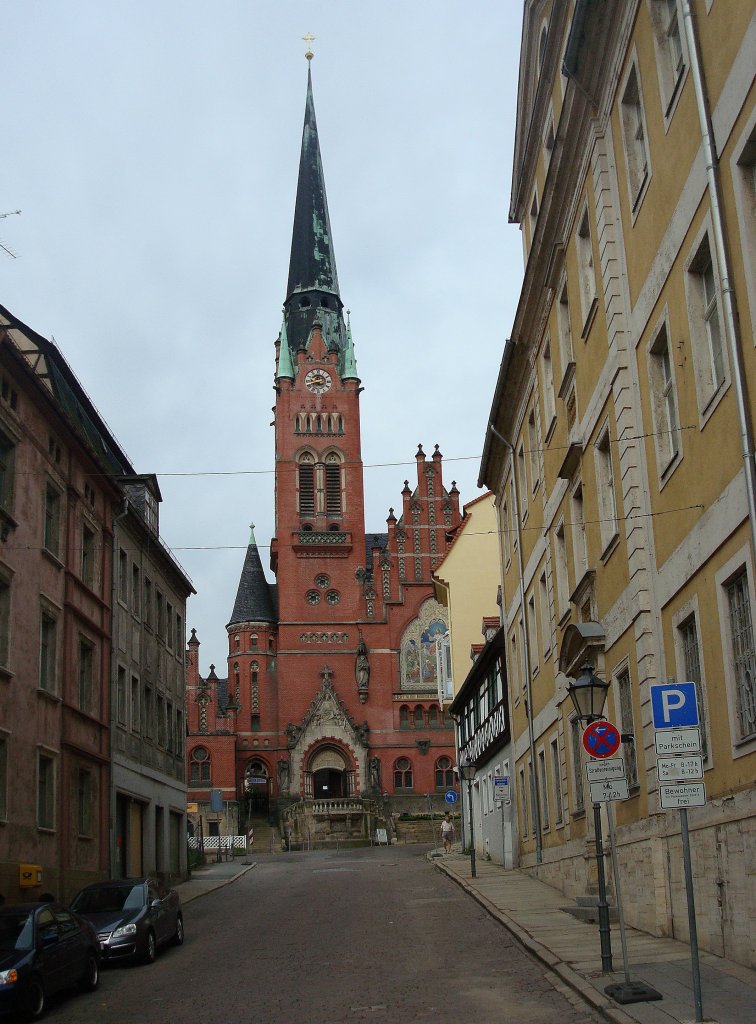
(451, 797)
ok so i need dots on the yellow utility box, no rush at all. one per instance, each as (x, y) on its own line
(29, 875)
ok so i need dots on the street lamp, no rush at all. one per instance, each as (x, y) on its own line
(467, 771)
(588, 694)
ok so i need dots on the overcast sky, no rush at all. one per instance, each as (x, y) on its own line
(153, 149)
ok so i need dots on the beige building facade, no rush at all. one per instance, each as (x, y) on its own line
(621, 446)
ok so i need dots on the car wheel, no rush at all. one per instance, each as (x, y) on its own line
(35, 998)
(90, 979)
(150, 948)
(178, 936)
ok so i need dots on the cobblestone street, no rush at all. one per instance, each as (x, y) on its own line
(371, 935)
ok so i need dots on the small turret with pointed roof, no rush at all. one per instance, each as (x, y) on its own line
(254, 602)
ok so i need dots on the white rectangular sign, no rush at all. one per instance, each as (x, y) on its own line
(603, 791)
(501, 787)
(680, 769)
(605, 771)
(678, 741)
(691, 794)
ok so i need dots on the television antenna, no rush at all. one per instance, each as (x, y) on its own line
(3, 246)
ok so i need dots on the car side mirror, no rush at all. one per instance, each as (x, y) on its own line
(155, 903)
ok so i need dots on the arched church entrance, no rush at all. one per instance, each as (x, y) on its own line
(329, 774)
(256, 788)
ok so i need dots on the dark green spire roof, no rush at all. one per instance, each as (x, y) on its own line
(312, 295)
(254, 600)
(312, 265)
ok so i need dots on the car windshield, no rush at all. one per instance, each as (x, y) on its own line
(108, 899)
(16, 931)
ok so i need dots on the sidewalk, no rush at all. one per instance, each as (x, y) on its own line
(531, 910)
(212, 875)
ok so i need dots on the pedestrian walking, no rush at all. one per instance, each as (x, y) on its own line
(447, 832)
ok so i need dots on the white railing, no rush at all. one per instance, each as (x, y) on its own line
(218, 842)
(337, 807)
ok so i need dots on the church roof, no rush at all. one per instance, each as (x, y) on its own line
(373, 540)
(255, 598)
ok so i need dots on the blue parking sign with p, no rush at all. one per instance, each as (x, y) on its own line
(674, 705)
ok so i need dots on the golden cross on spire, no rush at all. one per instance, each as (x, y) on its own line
(309, 39)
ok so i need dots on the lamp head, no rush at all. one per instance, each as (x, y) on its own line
(588, 694)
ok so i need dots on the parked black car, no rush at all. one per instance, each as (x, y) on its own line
(44, 948)
(132, 917)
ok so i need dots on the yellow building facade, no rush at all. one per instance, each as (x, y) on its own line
(621, 448)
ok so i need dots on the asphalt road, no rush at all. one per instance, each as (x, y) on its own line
(324, 938)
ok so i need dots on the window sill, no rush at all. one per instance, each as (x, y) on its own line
(589, 319)
(47, 830)
(53, 698)
(550, 428)
(5, 673)
(52, 557)
(610, 548)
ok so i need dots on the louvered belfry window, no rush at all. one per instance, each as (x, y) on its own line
(333, 485)
(306, 486)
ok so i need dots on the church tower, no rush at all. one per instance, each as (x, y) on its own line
(330, 719)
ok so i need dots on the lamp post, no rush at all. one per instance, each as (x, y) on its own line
(467, 771)
(588, 694)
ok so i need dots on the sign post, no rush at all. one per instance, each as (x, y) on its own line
(674, 707)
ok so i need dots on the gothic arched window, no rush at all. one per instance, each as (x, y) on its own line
(306, 484)
(444, 773)
(402, 774)
(404, 717)
(333, 484)
(199, 767)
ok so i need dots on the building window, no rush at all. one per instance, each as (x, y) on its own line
(333, 484)
(169, 727)
(169, 625)
(547, 375)
(48, 649)
(556, 774)
(88, 538)
(607, 499)
(7, 464)
(545, 612)
(179, 734)
(743, 653)
(576, 733)
(86, 674)
(444, 774)
(524, 804)
(543, 780)
(134, 704)
(123, 577)
(84, 801)
(670, 52)
(136, 590)
(634, 138)
(45, 791)
(160, 713)
(160, 626)
(179, 633)
(306, 485)
(147, 602)
(403, 774)
(199, 767)
(565, 330)
(627, 728)
(587, 274)
(691, 653)
(560, 564)
(121, 715)
(705, 325)
(664, 401)
(579, 539)
(3, 778)
(5, 621)
(533, 452)
(52, 520)
(404, 722)
(419, 717)
(532, 634)
(147, 722)
(522, 482)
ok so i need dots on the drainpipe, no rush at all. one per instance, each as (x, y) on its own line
(526, 652)
(725, 279)
(113, 674)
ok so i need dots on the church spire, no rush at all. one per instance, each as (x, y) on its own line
(254, 601)
(312, 294)
(312, 266)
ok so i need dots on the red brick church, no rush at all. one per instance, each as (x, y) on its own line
(328, 718)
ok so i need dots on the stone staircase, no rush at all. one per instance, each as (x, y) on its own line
(422, 831)
(267, 838)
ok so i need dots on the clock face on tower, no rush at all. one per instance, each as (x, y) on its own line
(318, 381)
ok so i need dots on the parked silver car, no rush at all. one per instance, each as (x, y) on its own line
(133, 917)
